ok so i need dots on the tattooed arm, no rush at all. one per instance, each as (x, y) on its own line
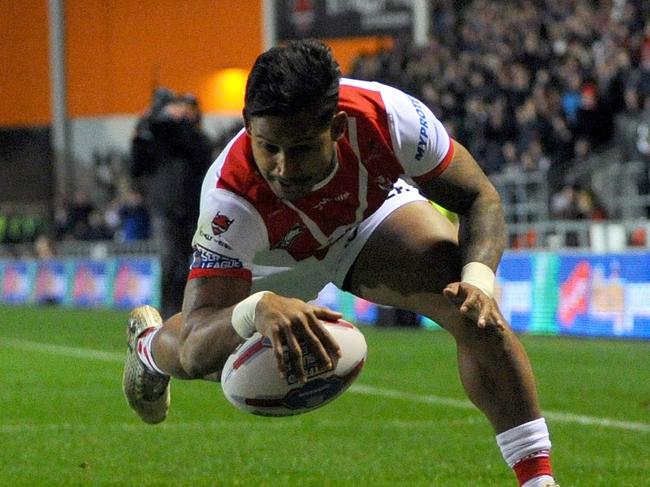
(464, 189)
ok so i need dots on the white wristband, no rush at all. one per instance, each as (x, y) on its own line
(479, 275)
(243, 315)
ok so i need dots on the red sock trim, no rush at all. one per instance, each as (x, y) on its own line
(143, 352)
(146, 332)
(532, 467)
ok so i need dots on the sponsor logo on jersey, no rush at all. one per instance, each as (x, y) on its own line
(340, 197)
(424, 128)
(220, 224)
(399, 189)
(216, 239)
(289, 237)
(209, 259)
(384, 183)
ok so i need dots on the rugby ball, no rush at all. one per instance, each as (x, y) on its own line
(251, 381)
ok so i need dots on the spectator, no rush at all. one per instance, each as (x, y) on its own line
(594, 123)
(590, 206)
(510, 157)
(78, 215)
(571, 98)
(170, 154)
(565, 69)
(134, 218)
(564, 203)
(574, 202)
(43, 247)
(97, 227)
(640, 77)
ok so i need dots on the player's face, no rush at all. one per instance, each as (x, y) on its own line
(293, 153)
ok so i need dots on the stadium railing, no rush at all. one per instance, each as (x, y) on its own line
(597, 236)
(622, 186)
(525, 195)
(106, 248)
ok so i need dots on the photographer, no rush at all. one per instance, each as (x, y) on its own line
(170, 154)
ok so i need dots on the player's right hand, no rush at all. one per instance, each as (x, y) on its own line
(290, 322)
(475, 304)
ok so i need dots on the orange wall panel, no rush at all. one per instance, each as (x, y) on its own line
(119, 49)
(346, 50)
(24, 63)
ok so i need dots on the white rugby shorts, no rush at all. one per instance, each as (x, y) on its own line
(309, 276)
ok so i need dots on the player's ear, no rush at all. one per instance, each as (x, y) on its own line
(339, 122)
(247, 123)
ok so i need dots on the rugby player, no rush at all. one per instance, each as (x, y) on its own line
(310, 192)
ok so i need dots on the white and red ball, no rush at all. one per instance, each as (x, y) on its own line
(251, 381)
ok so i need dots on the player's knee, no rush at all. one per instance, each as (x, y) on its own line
(194, 367)
(189, 365)
(490, 340)
(439, 264)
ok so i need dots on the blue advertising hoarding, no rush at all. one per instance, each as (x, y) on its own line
(17, 281)
(554, 293)
(604, 295)
(83, 283)
(91, 283)
(137, 282)
(580, 294)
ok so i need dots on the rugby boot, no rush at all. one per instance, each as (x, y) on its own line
(146, 392)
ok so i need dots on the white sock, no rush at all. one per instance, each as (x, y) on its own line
(144, 343)
(524, 440)
(526, 449)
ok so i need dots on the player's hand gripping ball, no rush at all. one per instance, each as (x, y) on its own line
(251, 381)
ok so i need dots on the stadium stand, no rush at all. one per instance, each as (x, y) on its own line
(552, 95)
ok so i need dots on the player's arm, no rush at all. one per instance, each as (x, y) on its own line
(465, 189)
(209, 334)
(448, 174)
(218, 310)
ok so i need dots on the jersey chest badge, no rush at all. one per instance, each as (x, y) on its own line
(221, 223)
(288, 238)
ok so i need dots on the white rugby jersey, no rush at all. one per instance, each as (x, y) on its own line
(242, 222)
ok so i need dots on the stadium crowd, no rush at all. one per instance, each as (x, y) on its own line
(525, 85)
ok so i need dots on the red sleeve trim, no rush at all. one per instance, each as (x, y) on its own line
(241, 273)
(437, 171)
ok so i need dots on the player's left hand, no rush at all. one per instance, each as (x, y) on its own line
(475, 304)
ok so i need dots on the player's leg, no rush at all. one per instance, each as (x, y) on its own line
(154, 352)
(153, 357)
(146, 389)
(407, 261)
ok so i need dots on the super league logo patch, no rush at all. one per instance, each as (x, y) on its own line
(221, 223)
(205, 258)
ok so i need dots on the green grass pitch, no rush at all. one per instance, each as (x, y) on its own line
(406, 422)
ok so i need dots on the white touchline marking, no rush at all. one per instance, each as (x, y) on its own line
(460, 404)
(87, 353)
(559, 416)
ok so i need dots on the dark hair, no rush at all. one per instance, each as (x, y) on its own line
(302, 76)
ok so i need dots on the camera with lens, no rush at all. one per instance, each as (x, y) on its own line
(169, 128)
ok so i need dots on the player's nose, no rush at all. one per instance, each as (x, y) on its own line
(288, 168)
